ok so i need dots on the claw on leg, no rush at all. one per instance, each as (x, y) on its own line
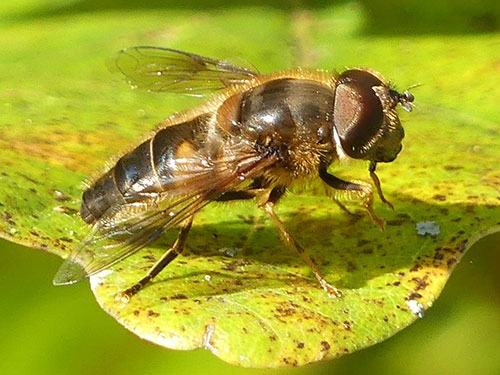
(376, 219)
(330, 289)
(367, 198)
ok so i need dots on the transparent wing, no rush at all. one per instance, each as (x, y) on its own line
(168, 70)
(123, 231)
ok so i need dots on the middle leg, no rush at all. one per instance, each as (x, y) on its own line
(290, 241)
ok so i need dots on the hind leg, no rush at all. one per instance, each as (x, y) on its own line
(168, 257)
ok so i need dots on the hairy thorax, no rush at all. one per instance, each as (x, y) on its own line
(289, 118)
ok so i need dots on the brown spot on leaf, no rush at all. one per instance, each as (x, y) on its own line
(421, 283)
(414, 296)
(178, 296)
(452, 167)
(290, 361)
(325, 346)
(351, 267)
(362, 242)
(462, 246)
(347, 325)
(395, 222)
(417, 266)
(439, 197)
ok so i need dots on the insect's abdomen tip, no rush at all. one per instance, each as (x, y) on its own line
(69, 273)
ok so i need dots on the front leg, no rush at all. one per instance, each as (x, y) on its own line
(376, 182)
(363, 191)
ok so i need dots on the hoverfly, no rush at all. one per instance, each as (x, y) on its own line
(252, 140)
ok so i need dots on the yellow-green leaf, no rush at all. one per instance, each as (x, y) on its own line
(236, 290)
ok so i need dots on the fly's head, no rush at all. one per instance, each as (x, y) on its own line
(365, 120)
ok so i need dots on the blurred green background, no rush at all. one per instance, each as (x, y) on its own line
(48, 330)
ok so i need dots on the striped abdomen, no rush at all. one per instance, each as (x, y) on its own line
(143, 171)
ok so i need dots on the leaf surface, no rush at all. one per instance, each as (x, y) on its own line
(236, 290)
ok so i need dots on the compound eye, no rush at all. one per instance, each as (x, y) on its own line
(358, 114)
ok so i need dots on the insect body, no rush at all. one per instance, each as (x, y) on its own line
(256, 137)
